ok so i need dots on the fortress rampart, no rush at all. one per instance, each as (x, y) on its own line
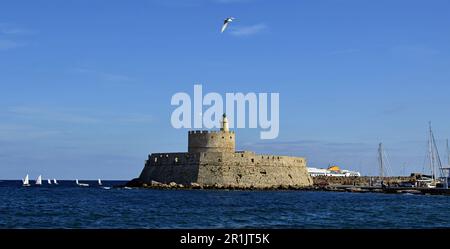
(211, 159)
(243, 169)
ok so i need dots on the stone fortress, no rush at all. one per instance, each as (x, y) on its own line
(212, 160)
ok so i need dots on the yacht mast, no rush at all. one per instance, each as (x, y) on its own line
(448, 155)
(435, 160)
(431, 153)
(380, 159)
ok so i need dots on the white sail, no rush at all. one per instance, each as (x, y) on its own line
(26, 181)
(49, 181)
(81, 184)
(54, 181)
(99, 182)
(39, 180)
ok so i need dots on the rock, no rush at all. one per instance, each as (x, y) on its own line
(155, 183)
(195, 185)
(231, 186)
(172, 184)
(218, 185)
(136, 182)
(180, 186)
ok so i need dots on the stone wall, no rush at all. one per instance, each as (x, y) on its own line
(240, 169)
(360, 180)
(211, 141)
(171, 167)
(247, 169)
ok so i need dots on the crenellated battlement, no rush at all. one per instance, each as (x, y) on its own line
(208, 132)
(211, 141)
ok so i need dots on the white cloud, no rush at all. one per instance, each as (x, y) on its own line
(134, 118)
(51, 115)
(16, 132)
(77, 117)
(7, 29)
(8, 44)
(112, 77)
(193, 3)
(115, 77)
(414, 50)
(232, 1)
(345, 51)
(248, 30)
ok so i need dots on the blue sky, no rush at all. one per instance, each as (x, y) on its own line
(86, 85)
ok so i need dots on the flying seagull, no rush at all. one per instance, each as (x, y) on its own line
(225, 23)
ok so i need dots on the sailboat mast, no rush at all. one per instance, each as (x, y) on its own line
(448, 155)
(380, 159)
(430, 152)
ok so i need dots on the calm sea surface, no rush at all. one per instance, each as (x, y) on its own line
(68, 206)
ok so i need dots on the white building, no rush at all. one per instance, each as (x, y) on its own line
(332, 171)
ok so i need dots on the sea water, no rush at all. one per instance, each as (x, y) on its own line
(69, 206)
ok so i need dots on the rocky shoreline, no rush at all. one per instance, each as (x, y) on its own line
(136, 183)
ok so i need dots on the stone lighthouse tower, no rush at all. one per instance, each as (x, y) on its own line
(224, 123)
(212, 141)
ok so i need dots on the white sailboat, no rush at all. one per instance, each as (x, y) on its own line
(54, 181)
(26, 181)
(435, 163)
(446, 169)
(39, 180)
(49, 181)
(101, 184)
(384, 163)
(81, 184)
